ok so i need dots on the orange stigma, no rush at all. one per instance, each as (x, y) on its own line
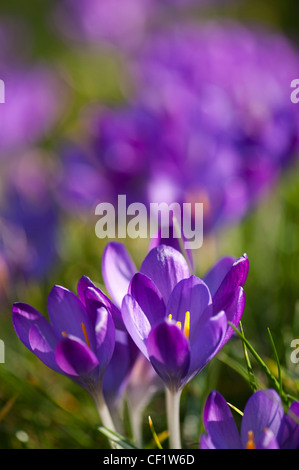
(85, 334)
(250, 443)
(187, 324)
(64, 334)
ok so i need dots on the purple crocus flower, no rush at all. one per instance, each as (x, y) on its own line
(79, 339)
(178, 321)
(77, 342)
(264, 424)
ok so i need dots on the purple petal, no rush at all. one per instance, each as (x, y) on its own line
(36, 333)
(148, 297)
(235, 278)
(218, 272)
(67, 313)
(83, 284)
(136, 322)
(169, 353)
(288, 436)
(75, 358)
(171, 240)
(206, 443)
(94, 298)
(118, 269)
(219, 423)
(262, 410)
(267, 440)
(118, 371)
(234, 311)
(191, 295)
(206, 343)
(105, 337)
(165, 266)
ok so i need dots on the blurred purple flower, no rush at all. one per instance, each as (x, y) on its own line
(178, 321)
(229, 126)
(210, 121)
(97, 22)
(33, 103)
(28, 216)
(264, 423)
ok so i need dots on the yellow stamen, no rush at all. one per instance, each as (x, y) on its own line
(85, 334)
(250, 443)
(179, 325)
(187, 324)
(170, 317)
(64, 334)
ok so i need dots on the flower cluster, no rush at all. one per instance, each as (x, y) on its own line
(210, 121)
(175, 320)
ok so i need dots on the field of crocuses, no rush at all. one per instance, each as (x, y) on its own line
(149, 225)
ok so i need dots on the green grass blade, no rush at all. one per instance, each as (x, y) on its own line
(263, 366)
(117, 438)
(277, 360)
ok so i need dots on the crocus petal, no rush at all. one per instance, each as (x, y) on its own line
(219, 423)
(67, 313)
(94, 298)
(36, 333)
(262, 410)
(218, 272)
(171, 240)
(75, 358)
(191, 295)
(267, 440)
(235, 277)
(119, 368)
(118, 269)
(105, 337)
(205, 442)
(135, 322)
(83, 284)
(207, 342)
(234, 311)
(165, 266)
(169, 353)
(148, 297)
(43, 342)
(288, 436)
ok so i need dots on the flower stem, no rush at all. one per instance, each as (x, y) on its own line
(105, 415)
(136, 424)
(173, 418)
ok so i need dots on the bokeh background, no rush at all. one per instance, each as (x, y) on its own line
(186, 101)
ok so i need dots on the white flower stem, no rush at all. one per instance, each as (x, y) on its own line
(105, 415)
(173, 418)
(136, 425)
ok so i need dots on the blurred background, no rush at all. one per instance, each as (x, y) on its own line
(188, 101)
